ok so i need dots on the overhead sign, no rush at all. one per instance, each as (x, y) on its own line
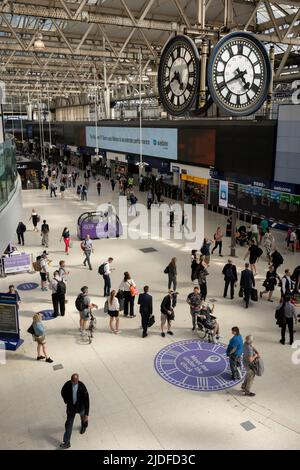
(156, 142)
(194, 179)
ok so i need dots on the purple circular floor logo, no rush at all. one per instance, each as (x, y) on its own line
(27, 286)
(47, 314)
(195, 365)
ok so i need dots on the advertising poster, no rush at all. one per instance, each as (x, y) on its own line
(223, 194)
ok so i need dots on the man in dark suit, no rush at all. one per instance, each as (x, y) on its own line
(76, 397)
(230, 278)
(146, 309)
(247, 283)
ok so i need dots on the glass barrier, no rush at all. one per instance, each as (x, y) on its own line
(8, 171)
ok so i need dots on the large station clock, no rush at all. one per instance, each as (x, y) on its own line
(239, 74)
(178, 75)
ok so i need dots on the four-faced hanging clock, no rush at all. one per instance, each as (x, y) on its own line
(178, 75)
(239, 74)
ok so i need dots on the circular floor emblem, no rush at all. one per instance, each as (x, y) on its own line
(27, 286)
(195, 365)
(47, 314)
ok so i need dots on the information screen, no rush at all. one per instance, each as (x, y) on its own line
(8, 318)
(282, 207)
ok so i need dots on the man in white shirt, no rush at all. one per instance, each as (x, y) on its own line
(106, 277)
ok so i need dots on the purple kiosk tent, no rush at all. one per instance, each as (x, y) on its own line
(98, 225)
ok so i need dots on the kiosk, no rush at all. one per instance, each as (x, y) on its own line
(9, 322)
(98, 225)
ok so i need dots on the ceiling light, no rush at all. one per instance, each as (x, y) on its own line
(38, 44)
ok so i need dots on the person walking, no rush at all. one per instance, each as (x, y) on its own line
(194, 301)
(264, 226)
(113, 184)
(254, 252)
(286, 316)
(167, 314)
(66, 236)
(53, 188)
(21, 229)
(44, 270)
(87, 247)
(218, 236)
(40, 337)
(84, 192)
(132, 200)
(205, 249)
(106, 276)
(230, 278)
(286, 283)
(247, 283)
(250, 354)
(234, 352)
(76, 397)
(113, 311)
(145, 302)
(270, 283)
(293, 239)
(45, 233)
(35, 219)
(58, 295)
(98, 186)
(276, 259)
(171, 270)
(128, 286)
(62, 189)
(194, 265)
(183, 225)
(254, 233)
(202, 274)
(268, 242)
(149, 199)
(84, 306)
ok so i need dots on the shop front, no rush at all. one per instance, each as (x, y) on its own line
(195, 189)
(30, 173)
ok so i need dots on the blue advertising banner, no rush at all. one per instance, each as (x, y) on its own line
(157, 142)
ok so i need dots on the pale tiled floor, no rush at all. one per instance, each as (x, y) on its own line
(131, 406)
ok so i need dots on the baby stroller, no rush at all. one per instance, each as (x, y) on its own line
(205, 328)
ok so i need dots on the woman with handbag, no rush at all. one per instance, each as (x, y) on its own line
(270, 283)
(38, 332)
(113, 308)
(66, 236)
(128, 286)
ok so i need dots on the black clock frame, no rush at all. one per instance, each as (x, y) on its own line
(172, 44)
(267, 79)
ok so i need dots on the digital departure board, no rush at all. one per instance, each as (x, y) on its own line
(257, 201)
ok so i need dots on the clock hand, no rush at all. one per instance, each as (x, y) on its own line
(237, 76)
(246, 84)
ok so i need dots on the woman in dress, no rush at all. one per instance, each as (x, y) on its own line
(113, 312)
(35, 218)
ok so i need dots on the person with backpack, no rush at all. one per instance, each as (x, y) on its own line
(254, 252)
(113, 310)
(286, 315)
(66, 236)
(205, 249)
(83, 304)
(105, 271)
(58, 288)
(250, 355)
(45, 233)
(218, 241)
(87, 247)
(21, 229)
(133, 200)
(230, 278)
(276, 259)
(128, 287)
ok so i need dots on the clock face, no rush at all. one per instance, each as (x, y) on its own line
(239, 74)
(178, 75)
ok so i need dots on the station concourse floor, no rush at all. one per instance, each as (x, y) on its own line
(132, 407)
